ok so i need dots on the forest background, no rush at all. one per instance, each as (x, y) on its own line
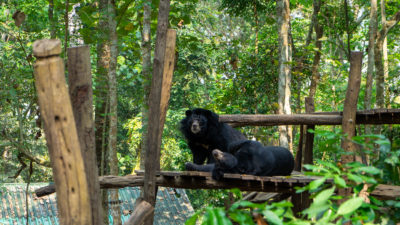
(227, 60)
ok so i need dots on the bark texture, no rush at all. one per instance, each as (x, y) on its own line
(112, 92)
(284, 76)
(146, 72)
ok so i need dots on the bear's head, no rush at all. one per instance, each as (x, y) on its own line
(198, 120)
(224, 160)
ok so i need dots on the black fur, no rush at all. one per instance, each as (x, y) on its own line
(256, 159)
(250, 157)
(205, 133)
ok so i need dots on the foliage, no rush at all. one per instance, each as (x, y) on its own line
(217, 68)
(326, 207)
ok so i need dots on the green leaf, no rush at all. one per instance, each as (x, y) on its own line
(339, 181)
(369, 169)
(350, 206)
(192, 220)
(245, 204)
(298, 222)
(216, 216)
(272, 217)
(315, 209)
(322, 197)
(316, 183)
(241, 217)
(354, 178)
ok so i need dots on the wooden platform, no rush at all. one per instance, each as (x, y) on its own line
(203, 180)
(278, 184)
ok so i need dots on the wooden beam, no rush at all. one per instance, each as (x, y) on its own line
(202, 180)
(81, 94)
(73, 201)
(335, 118)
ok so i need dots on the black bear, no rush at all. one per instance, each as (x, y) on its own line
(250, 157)
(255, 159)
(205, 133)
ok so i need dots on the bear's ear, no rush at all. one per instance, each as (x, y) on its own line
(188, 113)
(212, 117)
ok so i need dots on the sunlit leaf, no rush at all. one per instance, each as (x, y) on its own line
(350, 206)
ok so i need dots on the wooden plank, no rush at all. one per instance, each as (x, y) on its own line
(322, 118)
(261, 183)
(81, 94)
(73, 201)
(272, 120)
(384, 191)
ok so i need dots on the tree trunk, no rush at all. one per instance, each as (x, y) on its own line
(112, 92)
(318, 44)
(379, 65)
(373, 26)
(66, 21)
(385, 56)
(146, 72)
(283, 14)
(101, 105)
(53, 30)
(257, 28)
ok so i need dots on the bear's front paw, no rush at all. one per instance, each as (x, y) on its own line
(190, 166)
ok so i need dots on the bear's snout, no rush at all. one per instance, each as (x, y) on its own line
(195, 128)
(218, 155)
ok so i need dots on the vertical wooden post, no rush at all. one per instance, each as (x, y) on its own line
(81, 93)
(350, 106)
(169, 64)
(350, 110)
(299, 155)
(73, 199)
(152, 159)
(308, 150)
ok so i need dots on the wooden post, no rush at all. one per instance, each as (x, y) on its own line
(169, 64)
(152, 156)
(81, 93)
(142, 211)
(308, 150)
(350, 106)
(349, 112)
(299, 155)
(73, 199)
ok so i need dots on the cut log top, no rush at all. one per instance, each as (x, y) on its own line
(46, 48)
